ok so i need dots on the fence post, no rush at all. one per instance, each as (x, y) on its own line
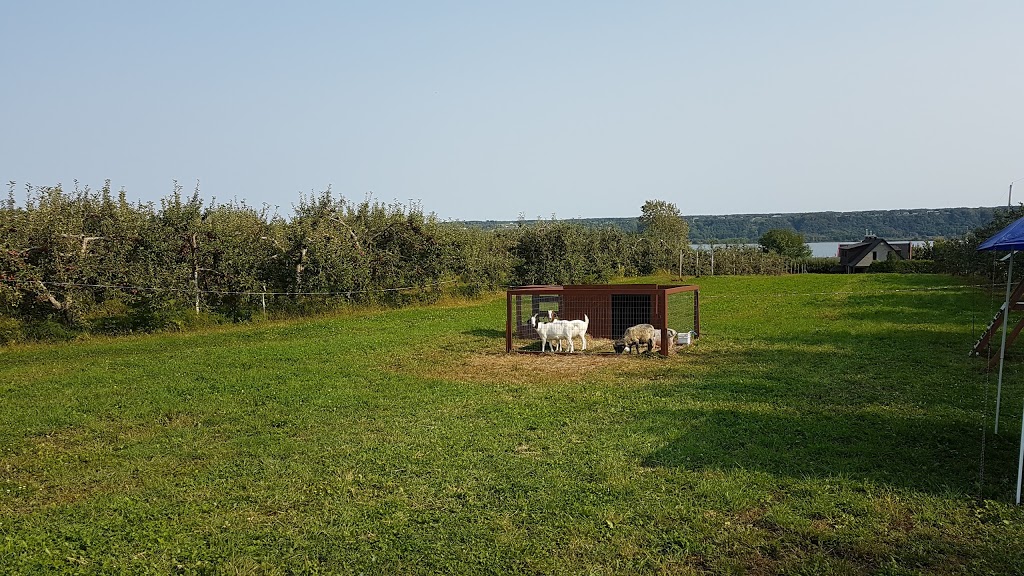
(508, 321)
(662, 296)
(195, 280)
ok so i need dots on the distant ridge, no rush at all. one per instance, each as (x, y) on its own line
(907, 224)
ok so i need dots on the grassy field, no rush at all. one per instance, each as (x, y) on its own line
(822, 425)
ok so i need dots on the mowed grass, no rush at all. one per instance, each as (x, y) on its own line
(821, 425)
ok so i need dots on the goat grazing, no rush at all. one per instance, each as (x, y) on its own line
(640, 334)
(553, 331)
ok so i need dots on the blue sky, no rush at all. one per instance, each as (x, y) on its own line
(482, 110)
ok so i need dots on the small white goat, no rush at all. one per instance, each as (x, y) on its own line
(671, 338)
(579, 328)
(553, 331)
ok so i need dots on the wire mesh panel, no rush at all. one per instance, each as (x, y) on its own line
(526, 306)
(629, 310)
(684, 312)
(586, 304)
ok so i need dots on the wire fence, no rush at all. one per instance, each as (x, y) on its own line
(222, 292)
(436, 284)
(864, 292)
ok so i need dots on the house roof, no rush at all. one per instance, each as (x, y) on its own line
(850, 254)
(855, 245)
(904, 248)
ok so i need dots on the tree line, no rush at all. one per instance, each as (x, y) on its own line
(85, 260)
(911, 224)
(959, 255)
(90, 260)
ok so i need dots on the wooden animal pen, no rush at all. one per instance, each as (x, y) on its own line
(611, 308)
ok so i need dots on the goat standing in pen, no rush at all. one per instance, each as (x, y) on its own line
(579, 328)
(553, 331)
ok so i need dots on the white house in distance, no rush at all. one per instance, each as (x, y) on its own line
(856, 257)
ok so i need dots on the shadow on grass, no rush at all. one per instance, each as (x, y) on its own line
(485, 333)
(919, 453)
(920, 307)
(897, 406)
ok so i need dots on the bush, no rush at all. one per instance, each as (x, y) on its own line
(821, 265)
(11, 331)
(110, 317)
(48, 331)
(176, 320)
(903, 266)
(789, 243)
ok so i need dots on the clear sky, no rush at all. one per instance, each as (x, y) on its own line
(488, 110)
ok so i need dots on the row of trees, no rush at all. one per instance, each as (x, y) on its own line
(960, 256)
(90, 259)
(909, 224)
(69, 256)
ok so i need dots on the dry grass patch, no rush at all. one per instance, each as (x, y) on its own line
(533, 369)
(522, 369)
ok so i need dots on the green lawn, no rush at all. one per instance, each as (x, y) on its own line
(821, 425)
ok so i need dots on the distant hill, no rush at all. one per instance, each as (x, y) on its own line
(915, 224)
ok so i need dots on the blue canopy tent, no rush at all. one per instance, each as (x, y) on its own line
(1010, 238)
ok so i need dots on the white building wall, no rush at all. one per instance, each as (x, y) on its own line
(883, 252)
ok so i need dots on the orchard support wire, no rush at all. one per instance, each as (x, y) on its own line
(611, 308)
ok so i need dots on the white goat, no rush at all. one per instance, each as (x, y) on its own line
(579, 328)
(553, 331)
(671, 338)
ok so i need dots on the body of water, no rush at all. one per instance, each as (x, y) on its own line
(818, 249)
(824, 249)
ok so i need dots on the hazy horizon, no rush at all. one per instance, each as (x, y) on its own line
(488, 112)
(741, 213)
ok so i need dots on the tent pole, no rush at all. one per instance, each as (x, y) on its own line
(1009, 276)
(1002, 347)
(1006, 316)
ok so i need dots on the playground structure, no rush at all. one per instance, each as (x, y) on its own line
(1014, 304)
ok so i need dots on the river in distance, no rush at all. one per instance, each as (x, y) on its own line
(818, 249)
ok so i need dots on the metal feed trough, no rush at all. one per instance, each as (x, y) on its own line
(611, 307)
